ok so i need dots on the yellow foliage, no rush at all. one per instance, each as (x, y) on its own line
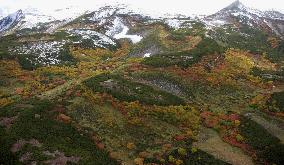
(237, 122)
(124, 50)
(130, 146)
(240, 61)
(193, 150)
(184, 115)
(10, 69)
(171, 159)
(239, 138)
(63, 70)
(5, 101)
(237, 65)
(90, 54)
(179, 162)
(139, 161)
(182, 151)
(87, 92)
(259, 100)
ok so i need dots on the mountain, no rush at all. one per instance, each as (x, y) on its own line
(118, 86)
(11, 21)
(107, 25)
(270, 21)
(238, 14)
(32, 18)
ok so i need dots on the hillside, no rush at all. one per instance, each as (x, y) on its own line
(116, 86)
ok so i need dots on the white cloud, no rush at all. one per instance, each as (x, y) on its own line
(151, 6)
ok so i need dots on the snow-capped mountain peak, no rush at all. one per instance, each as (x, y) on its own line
(238, 14)
(237, 5)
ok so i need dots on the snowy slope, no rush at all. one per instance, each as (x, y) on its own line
(269, 21)
(109, 18)
(11, 20)
(32, 18)
(118, 30)
(237, 9)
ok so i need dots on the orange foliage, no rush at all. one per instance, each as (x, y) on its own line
(274, 42)
(11, 69)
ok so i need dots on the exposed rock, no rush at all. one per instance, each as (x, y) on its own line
(60, 158)
(21, 143)
(37, 116)
(7, 121)
(34, 143)
(26, 157)
(18, 146)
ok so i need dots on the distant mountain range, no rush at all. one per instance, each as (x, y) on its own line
(26, 19)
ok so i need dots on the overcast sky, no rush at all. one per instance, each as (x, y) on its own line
(163, 6)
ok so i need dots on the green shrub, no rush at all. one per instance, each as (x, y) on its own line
(248, 38)
(186, 58)
(52, 134)
(126, 90)
(268, 75)
(276, 102)
(198, 157)
(267, 146)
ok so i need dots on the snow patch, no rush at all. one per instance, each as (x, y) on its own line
(174, 23)
(215, 23)
(119, 30)
(44, 52)
(97, 38)
(147, 55)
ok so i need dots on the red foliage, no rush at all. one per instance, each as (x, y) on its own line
(212, 121)
(233, 117)
(205, 114)
(180, 138)
(78, 93)
(245, 147)
(59, 109)
(100, 146)
(19, 91)
(69, 93)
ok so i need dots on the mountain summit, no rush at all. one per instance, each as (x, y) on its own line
(237, 5)
(238, 14)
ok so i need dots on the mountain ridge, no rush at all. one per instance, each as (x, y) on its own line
(34, 17)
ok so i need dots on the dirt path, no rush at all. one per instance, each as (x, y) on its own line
(210, 142)
(53, 93)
